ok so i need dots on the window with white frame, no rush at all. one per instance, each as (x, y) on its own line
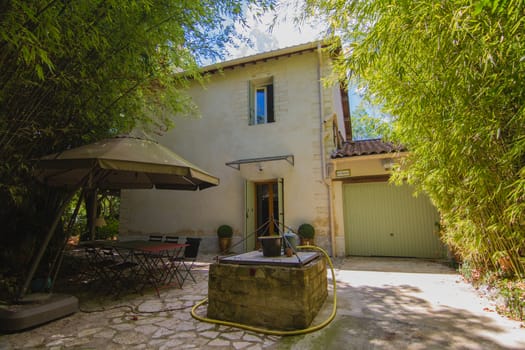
(261, 101)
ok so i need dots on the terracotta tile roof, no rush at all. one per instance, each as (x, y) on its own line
(367, 147)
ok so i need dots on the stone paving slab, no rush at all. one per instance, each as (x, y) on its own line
(382, 304)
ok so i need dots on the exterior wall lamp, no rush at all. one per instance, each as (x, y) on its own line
(387, 163)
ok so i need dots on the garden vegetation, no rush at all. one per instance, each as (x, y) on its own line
(452, 76)
(74, 72)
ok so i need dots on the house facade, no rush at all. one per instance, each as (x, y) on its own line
(279, 139)
(267, 128)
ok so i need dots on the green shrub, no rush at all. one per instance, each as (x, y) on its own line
(306, 231)
(225, 231)
(513, 293)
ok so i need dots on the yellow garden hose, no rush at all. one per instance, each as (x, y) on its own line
(276, 332)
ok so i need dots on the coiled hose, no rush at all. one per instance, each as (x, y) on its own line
(277, 332)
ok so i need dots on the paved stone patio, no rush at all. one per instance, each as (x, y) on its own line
(382, 304)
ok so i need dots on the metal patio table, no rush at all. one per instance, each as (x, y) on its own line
(154, 261)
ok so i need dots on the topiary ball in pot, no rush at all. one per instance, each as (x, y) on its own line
(225, 231)
(307, 233)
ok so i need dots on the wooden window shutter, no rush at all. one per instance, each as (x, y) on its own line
(269, 102)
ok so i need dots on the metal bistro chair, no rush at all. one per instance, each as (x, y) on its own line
(116, 275)
(155, 238)
(125, 277)
(167, 259)
(98, 263)
(185, 262)
(171, 239)
(155, 259)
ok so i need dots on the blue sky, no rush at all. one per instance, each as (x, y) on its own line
(286, 33)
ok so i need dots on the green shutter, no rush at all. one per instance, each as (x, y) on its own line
(269, 103)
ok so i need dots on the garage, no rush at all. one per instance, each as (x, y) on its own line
(382, 219)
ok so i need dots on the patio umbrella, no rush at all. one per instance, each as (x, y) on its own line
(123, 162)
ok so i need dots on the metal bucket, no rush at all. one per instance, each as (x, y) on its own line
(290, 241)
(271, 245)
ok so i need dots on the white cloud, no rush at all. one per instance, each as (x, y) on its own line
(275, 30)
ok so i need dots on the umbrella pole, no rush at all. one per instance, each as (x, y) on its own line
(44, 245)
(93, 204)
(60, 255)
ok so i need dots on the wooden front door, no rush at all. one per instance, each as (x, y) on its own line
(264, 211)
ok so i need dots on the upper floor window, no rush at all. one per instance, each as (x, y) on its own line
(261, 101)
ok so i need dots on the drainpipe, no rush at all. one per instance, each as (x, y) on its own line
(324, 178)
(321, 110)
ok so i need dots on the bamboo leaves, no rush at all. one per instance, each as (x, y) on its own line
(452, 73)
(72, 72)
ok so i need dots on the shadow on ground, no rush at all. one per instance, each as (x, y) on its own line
(382, 304)
(391, 317)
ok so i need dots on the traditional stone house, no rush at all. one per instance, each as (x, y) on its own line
(269, 128)
(267, 131)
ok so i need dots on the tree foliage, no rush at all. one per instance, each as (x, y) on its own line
(366, 125)
(72, 72)
(452, 73)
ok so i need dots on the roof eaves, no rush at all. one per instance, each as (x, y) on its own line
(265, 56)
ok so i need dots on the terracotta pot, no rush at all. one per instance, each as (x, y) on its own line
(307, 241)
(225, 244)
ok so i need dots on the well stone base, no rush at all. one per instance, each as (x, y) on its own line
(274, 297)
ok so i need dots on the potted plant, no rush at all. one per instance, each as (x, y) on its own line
(225, 233)
(307, 233)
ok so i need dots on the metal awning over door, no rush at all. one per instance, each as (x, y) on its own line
(236, 164)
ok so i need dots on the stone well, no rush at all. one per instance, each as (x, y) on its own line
(283, 293)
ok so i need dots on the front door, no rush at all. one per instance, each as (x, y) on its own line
(267, 208)
(264, 210)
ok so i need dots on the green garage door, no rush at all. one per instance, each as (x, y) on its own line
(387, 220)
